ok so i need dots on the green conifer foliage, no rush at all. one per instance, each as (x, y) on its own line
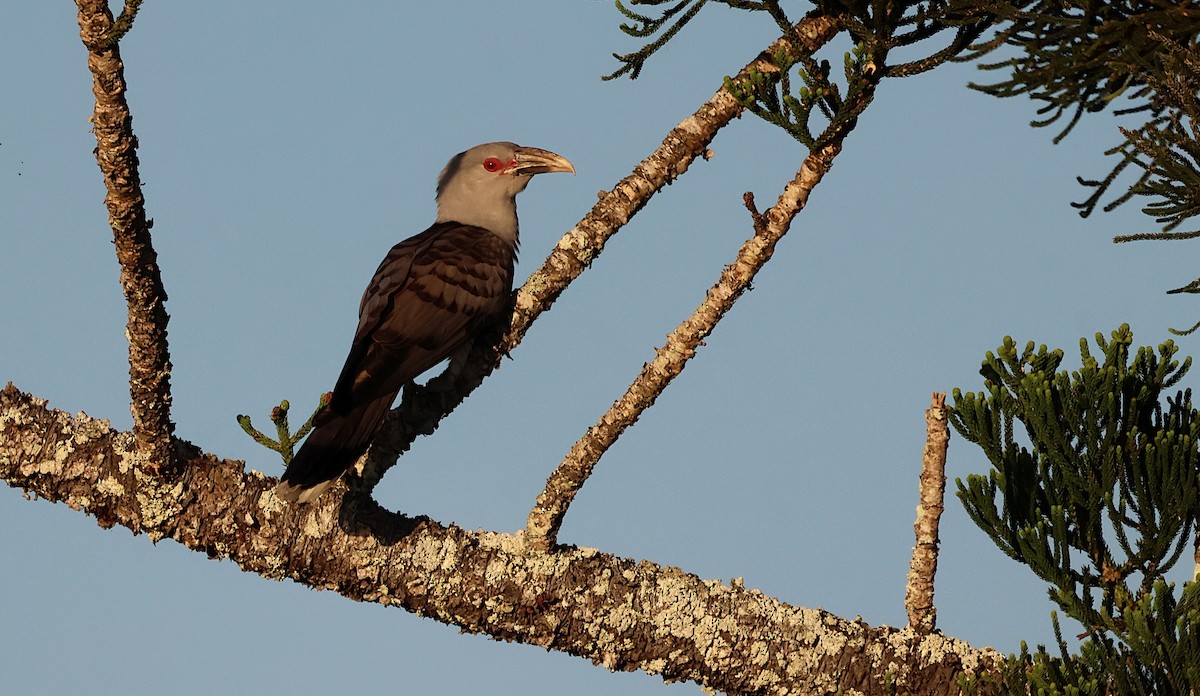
(1098, 493)
(1138, 59)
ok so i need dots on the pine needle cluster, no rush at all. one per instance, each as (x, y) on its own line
(1097, 492)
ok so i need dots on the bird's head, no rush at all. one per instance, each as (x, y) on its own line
(479, 187)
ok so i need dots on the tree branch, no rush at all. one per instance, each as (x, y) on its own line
(617, 612)
(551, 507)
(116, 153)
(918, 595)
(614, 611)
(420, 412)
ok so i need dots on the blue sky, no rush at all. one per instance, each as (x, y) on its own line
(286, 147)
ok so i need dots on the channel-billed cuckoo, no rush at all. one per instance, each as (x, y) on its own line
(429, 298)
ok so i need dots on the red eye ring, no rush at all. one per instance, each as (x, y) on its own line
(493, 164)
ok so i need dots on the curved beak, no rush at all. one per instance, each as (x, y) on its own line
(532, 160)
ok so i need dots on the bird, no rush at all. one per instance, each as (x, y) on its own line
(431, 295)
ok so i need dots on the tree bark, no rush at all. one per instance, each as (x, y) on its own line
(918, 594)
(617, 612)
(116, 153)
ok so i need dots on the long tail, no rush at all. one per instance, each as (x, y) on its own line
(333, 447)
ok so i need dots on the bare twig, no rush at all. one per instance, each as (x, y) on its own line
(121, 25)
(422, 410)
(551, 506)
(116, 153)
(918, 595)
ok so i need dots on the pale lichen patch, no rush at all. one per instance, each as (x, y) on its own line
(123, 446)
(110, 486)
(432, 554)
(495, 570)
(319, 523)
(158, 503)
(54, 466)
(88, 428)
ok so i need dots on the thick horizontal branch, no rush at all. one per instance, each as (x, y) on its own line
(617, 612)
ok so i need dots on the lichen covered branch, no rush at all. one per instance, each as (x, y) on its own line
(548, 512)
(918, 595)
(116, 153)
(623, 614)
(422, 410)
(686, 141)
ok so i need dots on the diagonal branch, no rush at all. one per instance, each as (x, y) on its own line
(551, 507)
(624, 614)
(116, 153)
(686, 141)
(546, 517)
(421, 410)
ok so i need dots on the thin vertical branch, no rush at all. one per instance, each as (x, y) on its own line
(116, 153)
(548, 512)
(918, 594)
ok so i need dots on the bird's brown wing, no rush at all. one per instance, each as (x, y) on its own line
(429, 296)
(425, 301)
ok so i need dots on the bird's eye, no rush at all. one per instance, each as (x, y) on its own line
(493, 164)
